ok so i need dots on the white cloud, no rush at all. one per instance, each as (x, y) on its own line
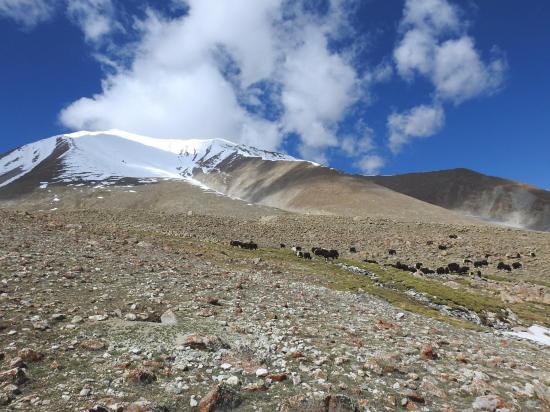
(435, 45)
(27, 12)
(436, 15)
(459, 74)
(415, 53)
(420, 122)
(95, 17)
(191, 75)
(317, 89)
(371, 164)
(358, 143)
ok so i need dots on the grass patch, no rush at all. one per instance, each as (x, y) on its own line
(437, 291)
(500, 278)
(534, 312)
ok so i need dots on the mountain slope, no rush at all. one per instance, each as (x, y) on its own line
(107, 159)
(100, 156)
(306, 188)
(491, 198)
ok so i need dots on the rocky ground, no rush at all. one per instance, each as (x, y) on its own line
(133, 311)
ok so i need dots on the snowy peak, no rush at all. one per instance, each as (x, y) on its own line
(114, 154)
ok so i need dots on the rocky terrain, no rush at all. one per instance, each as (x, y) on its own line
(106, 310)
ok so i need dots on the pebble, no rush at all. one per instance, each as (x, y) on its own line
(85, 392)
(261, 372)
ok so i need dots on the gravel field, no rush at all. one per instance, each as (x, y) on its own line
(135, 311)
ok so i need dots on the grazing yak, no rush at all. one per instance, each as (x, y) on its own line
(402, 266)
(307, 255)
(442, 271)
(327, 254)
(504, 266)
(282, 246)
(481, 263)
(392, 252)
(244, 245)
(454, 267)
(463, 270)
(370, 261)
(453, 237)
(296, 249)
(442, 247)
(249, 246)
(352, 250)
(517, 265)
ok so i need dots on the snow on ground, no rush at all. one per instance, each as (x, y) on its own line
(96, 157)
(535, 333)
(21, 161)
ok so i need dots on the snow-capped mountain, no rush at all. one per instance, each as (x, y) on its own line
(114, 154)
(118, 159)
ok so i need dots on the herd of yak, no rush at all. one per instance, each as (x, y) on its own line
(451, 268)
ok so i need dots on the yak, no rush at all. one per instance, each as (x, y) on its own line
(504, 266)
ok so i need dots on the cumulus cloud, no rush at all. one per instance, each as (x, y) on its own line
(371, 164)
(459, 73)
(27, 12)
(317, 88)
(95, 17)
(251, 72)
(260, 72)
(435, 45)
(431, 15)
(419, 122)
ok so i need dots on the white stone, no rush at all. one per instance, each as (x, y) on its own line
(98, 318)
(168, 318)
(261, 372)
(232, 380)
(85, 392)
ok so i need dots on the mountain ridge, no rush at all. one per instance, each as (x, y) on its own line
(490, 198)
(264, 178)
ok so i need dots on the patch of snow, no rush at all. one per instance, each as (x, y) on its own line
(100, 197)
(43, 185)
(56, 199)
(101, 158)
(21, 161)
(535, 333)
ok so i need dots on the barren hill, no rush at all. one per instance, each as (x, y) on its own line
(488, 197)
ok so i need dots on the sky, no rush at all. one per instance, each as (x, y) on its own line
(365, 86)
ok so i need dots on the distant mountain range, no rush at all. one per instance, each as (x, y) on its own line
(261, 177)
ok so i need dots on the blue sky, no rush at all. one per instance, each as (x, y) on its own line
(366, 86)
